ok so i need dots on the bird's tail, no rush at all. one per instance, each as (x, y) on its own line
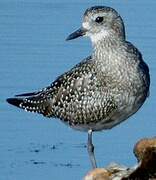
(32, 103)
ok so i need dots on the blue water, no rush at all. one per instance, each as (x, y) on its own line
(33, 52)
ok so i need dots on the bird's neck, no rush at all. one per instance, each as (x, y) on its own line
(106, 47)
(109, 56)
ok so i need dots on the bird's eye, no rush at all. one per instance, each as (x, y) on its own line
(99, 19)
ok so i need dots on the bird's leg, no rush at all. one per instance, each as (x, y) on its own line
(90, 148)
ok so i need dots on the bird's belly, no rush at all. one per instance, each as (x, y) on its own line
(122, 113)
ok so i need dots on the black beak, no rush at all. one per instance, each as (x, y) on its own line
(76, 34)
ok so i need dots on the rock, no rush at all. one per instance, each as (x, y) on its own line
(145, 152)
(98, 174)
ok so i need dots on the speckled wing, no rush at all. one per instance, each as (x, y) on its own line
(75, 97)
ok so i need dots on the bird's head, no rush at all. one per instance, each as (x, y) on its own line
(100, 22)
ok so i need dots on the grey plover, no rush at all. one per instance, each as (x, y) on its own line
(101, 91)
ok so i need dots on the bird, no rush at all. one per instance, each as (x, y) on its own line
(102, 90)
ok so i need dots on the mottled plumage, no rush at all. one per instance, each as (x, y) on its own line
(104, 89)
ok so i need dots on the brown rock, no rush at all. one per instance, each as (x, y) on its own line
(98, 174)
(145, 152)
(142, 146)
